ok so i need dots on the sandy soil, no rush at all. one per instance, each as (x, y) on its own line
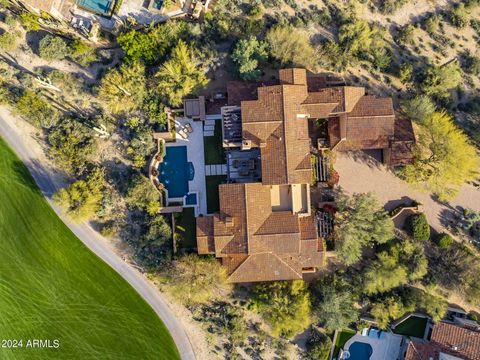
(360, 174)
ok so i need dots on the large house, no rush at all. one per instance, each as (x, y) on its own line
(447, 342)
(266, 229)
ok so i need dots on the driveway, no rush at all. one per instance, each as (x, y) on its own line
(29, 152)
(360, 173)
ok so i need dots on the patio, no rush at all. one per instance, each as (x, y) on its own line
(384, 345)
(193, 141)
(141, 12)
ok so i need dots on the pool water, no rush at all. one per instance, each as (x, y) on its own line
(360, 351)
(101, 7)
(175, 171)
(157, 4)
(191, 199)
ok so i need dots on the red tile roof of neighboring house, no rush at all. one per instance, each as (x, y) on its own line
(448, 339)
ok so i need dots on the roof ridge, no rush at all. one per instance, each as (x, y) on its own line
(286, 264)
(285, 136)
(246, 221)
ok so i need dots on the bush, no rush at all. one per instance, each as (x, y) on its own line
(459, 16)
(285, 305)
(53, 48)
(82, 53)
(419, 227)
(318, 345)
(8, 41)
(444, 240)
(35, 109)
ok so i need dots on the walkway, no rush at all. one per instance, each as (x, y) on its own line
(217, 169)
(29, 152)
(360, 174)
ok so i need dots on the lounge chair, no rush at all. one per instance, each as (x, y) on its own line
(183, 134)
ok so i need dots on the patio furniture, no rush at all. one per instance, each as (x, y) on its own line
(183, 134)
(235, 163)
(251, 164)
(189, 128)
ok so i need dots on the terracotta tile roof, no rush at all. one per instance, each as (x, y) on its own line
(448, 339)
(53, 7)
(370, 125)
(248, 232)
(205, 241)
(293, 76)
(265, 267)
(265, 122)
(256, 242)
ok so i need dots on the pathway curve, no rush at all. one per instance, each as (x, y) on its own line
(103, 248)
(360, 173)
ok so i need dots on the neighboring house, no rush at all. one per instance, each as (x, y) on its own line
(266, 229)
(447, 342)
(60, 9)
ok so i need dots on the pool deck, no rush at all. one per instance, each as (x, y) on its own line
(389, 347)
(195, 154)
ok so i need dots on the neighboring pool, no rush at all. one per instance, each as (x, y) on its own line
(157, 4)
(175, 171)
(102, 7)
(360, 351)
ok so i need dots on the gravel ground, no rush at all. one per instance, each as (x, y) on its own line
(360, 174)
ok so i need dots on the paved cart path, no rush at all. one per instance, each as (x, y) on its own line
(45, 179)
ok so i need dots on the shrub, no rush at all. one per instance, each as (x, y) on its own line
(291, 46)
(29, 21)
(444, 240)
(8, 41)
(318, 345)
(53, 48)
(459, 16)
(82, 53)
(285, 305)
(419, 227)
(37, 110)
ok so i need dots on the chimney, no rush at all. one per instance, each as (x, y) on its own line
(229, 221)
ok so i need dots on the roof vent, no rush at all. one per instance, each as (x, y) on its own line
(263, 143)
(229, 221)
(246, 144)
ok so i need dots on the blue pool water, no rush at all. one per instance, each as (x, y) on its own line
(157, 4)
(101, 7)
(360, 351)
(191, 199)
(175, 171)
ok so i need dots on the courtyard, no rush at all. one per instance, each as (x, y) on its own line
(360, 173)
(188, 163)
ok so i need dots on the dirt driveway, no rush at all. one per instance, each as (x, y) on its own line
(360, 173)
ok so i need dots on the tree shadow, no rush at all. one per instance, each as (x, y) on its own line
(33, 38)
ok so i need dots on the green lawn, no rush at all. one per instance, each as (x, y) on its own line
(413, 326)
(185, 229)
(53, 287)
(212, 182)
(342, 337)
(214, 151)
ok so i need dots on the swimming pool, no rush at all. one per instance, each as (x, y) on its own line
(175, 171)
(102, 7)
(360, 351)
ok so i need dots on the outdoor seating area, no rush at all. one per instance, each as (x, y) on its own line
(183, 130)
(244, 165)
